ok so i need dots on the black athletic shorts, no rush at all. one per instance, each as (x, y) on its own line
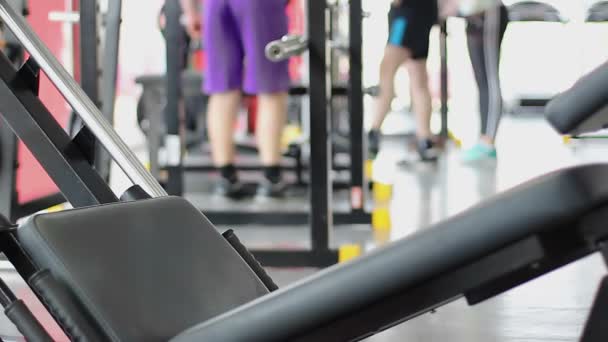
(410, 24)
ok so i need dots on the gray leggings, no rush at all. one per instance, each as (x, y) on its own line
(484, 37)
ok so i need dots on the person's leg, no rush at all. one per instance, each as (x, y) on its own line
(495, 24)
(421, 97)
(269, 80)
(395, 54)
(394, 57)
(475, 44)
(223, 81)
(423, 109)
(270, 124)
(484, 37)
(422, 20)
(221, 114)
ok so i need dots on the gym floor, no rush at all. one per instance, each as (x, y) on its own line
(552, 308)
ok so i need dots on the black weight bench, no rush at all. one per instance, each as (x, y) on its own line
(584, 107)
(148, 270)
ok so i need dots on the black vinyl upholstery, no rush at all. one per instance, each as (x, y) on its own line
(582, 108)
(145, 270)
(558, 200)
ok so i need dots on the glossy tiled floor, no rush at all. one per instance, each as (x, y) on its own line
(552, 308)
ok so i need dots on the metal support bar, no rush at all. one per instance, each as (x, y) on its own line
(89, 48)
(26, 209)
(280, 218)
(321, 219)
(443, 50)
(6, 295)
(76, 97)
(13, 251)
(355, 105)
(23, 111)
(89, 75)
(103, 160)
(310, 258)
(15, 309)
(8, 169)
(595, 329)
(174, 111)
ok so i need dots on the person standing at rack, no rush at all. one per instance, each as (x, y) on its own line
(487, 22)
(235, 35)
(410, 23)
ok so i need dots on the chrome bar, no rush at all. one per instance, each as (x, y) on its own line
(80, 102)
(286, 47)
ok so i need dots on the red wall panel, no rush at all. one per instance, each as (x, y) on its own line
(32, 181)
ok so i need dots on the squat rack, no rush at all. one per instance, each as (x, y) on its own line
(321, 217)
(65, 159)
(175, 140)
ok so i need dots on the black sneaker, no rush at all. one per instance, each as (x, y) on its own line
(269, 189)
(427, 150)
(373, 143)
(230, 189)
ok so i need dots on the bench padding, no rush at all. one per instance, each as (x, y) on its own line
(146, 270)
(584, 107)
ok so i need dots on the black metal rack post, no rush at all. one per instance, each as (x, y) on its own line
(9, 198)
(8, 168)
(109, 67)
(443, 50)
(90, 74)
(355, 104)
(89, 44)
(320, 217)
(173, 139)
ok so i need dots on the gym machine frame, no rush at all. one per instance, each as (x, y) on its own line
(504, 261)
(319, 140)
(9, 205)
(65, 159)
(89, 72)
(92, 76)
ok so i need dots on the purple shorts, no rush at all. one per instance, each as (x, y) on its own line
(235, 35)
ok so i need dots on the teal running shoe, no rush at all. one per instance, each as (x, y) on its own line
(479, 152)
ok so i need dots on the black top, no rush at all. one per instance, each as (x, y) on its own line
(424, 7)
(419, 4)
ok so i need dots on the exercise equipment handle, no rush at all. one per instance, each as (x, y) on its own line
(583, 107)
(80, 102)
(286, 47)
(27, 324)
